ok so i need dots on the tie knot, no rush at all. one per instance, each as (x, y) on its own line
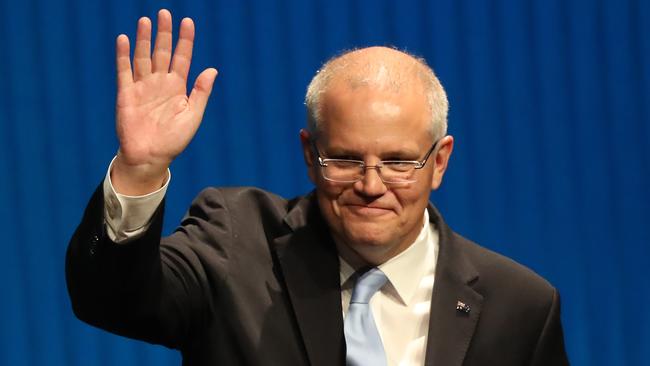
(367, 284)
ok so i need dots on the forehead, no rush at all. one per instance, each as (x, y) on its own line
(369, 118)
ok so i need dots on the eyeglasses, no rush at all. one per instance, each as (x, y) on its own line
(390, 171)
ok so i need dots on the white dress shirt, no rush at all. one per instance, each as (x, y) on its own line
(400, 308)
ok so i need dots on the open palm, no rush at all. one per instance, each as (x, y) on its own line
(155, 118)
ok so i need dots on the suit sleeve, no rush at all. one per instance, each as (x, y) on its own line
(550, 345)
(151, 289)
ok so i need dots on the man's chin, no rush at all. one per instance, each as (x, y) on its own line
(369, 237)
(365, 250)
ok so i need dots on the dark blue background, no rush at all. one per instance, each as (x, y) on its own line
(549, 107)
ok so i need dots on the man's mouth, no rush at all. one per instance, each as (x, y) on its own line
(368, 210)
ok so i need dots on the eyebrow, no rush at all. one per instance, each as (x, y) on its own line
(406, 154)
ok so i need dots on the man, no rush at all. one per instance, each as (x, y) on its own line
(362, 271)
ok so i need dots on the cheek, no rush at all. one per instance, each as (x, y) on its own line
(328, 195)
(412, 201)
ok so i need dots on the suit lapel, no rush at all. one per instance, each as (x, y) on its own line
(310, 267)
(450, 329)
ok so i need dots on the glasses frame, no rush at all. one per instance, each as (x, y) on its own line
(417, 164)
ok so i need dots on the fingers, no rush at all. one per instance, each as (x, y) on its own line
(183, 53)
(142, 53)
(202, 89)
(144, 63)
(162, 52)
(123, 62)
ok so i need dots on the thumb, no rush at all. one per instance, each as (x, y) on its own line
(202, 89)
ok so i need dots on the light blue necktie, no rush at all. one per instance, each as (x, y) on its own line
(364, 347)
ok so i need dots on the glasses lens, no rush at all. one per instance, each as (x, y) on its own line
(398, 172)
(343, 170)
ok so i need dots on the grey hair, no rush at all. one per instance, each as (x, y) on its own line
(378, 73)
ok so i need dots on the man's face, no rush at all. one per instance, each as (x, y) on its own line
(376, 221)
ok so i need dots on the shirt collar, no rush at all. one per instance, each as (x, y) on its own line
(405, 270)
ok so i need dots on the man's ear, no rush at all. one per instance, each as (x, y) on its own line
(308, 154)
(441, 160)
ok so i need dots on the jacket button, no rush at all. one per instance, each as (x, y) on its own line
(93, 245)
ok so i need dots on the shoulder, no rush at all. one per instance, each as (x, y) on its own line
(491, 274)
(501, 281)
(233, 222)
(243, 206)
(494, 266)
(247, 199)
(505, 282)
(240, 198)
(519, 309)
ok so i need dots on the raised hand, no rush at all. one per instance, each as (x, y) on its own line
(155, 118)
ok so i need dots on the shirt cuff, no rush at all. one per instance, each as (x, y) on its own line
(129, 217)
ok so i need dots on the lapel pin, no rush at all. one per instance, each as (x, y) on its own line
(462, 307)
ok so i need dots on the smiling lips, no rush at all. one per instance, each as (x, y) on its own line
(365, 210)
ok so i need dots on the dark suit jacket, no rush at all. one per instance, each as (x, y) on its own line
(250, 278)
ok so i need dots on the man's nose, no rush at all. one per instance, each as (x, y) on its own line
(371, 183)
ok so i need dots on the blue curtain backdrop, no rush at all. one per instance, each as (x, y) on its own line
(549, 106)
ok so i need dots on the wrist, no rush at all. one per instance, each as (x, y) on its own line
(137, 179)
